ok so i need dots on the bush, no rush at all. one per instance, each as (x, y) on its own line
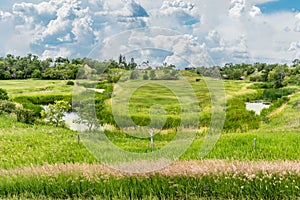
(274, 94)
(261, 86)
(7, 106)
(27, 103)
(134, 75)
(70, 83)
(25, 116)
(3, 94)
(145, 76)
(238, 119)
(34, 102)
(55, 113)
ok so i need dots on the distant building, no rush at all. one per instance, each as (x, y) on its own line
(225, 76)
(190, 68)
(144, 65)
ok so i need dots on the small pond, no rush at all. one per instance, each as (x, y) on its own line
(96, 90)
(257, 107)
(69, 118)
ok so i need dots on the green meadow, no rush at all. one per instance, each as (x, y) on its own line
(277, 134)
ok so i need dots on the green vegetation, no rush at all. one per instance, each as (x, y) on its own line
(27, 145)
(261, 186)
(273, 75)
(3, 94)
(34, 87)
(55, 112)
(28, 141)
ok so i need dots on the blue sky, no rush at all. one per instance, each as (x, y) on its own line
(280, 6)
(199, 32)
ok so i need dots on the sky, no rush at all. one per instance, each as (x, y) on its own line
(180, 32)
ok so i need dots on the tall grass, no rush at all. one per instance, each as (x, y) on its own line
(226, 186)
(25, 145)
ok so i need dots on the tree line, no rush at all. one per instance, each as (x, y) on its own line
(31, 66)
(273, 75)
(60, 68)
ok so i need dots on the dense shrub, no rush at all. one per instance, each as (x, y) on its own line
(70, 83)
(261, 86)
(251, 96)
(3, 94)
(25, 115)
(7, 106)
(205, 118)
(274, 94)
(27, 103)
(238, 119)
(108, 88)
(171, 121)
(34, 102)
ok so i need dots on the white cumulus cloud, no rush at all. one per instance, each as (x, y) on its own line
(226, 31)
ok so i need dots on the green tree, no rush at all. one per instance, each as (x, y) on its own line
(277, 75)
(296, 62)
(134, 75)
(36, 74)
(152, 74)
(145, 76)
(87, 115)
(55, 112)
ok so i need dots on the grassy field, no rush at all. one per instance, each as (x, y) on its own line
(35, 87)
(26, 145)
(72, 172)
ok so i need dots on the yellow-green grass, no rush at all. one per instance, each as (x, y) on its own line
(285, 118)
(77, 186)
(278, 139)
(26, 145)
(237, 87)
(29, 87)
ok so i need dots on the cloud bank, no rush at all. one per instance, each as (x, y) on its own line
(235, 31)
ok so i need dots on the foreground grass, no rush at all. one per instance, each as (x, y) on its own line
(225, 186)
